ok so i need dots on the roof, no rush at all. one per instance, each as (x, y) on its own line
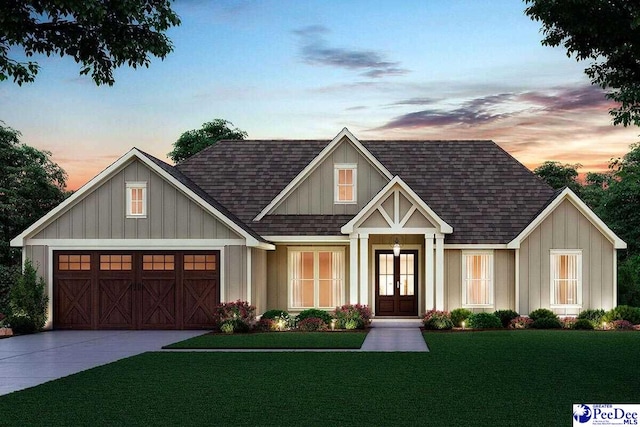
(485, 194)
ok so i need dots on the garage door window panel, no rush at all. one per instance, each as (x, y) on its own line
(74, 262)
(158, 262)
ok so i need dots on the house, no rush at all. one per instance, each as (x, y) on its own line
(402, 226)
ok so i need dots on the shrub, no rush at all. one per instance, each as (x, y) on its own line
(266, 325)
(621, 325)
(8, 277)
(238, 315)
(351, 316)
(484, 321)
(459, 315)
(568, 322)
(584, 324)
(593, 316)
(625, 312)
(281, 319)
(629, 281)
(312, 324)
(314, 312)
(542, 313)
(547, 323)
(274, 314)
(506, 316)
(520, 322)
(28, 302)
(438, 320)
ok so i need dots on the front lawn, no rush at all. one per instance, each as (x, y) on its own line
(495, 378)
(275, 340)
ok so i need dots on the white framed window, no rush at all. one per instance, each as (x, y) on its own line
(316, 277)
(345, 183)
(136, 199)
(477, 278)
(566, 277)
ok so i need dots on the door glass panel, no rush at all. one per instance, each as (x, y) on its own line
(385, 278)
(407, 274)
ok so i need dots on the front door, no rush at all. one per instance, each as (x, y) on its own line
(396, 283)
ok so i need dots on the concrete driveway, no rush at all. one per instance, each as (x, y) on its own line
(29, 360)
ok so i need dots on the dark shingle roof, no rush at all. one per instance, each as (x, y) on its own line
(479, 189)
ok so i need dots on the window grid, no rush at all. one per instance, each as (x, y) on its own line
(477, 279)
(74, 262)
(316, 278)
(158, 262)
(200, 262)
(565, 278)
(345, 183)
(116, 262)
(136, 199)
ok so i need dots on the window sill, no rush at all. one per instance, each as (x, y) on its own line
(136, 216)
(565, 305)
(355, 202)
(478, 305)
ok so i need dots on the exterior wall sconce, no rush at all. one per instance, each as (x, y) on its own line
(396, 248)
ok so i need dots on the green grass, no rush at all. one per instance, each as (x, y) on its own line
(493, 378)
(271, 340)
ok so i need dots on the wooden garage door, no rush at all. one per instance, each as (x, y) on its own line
(135, 289)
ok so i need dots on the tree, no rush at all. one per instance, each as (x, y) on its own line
(558, 175)
(31, 184)
(196, 140)
(605, 32)
(594, 189)
(28, 301)
(100, 35)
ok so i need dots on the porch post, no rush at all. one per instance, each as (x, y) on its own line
(428, 269)
(439, 272)
(364, 268)
(353, 269)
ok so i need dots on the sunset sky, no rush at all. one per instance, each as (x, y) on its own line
(305, 69)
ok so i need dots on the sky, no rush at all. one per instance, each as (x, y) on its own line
(290, 69)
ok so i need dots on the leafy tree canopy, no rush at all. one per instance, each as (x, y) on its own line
(100, 35)
(31, 184)
(194, 141)
(605, 32)
(558, 175)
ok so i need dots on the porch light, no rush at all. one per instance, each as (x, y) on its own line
(463, 324)
(333, 324)
(396, 248)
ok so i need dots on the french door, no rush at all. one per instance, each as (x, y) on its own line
(396, 283)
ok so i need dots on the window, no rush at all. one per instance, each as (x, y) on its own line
(158, 262)
(115, 262)
(136, 199)
(74, 262)
(477, 279)
(566, 277)
(345, 183)
(200, 262)
(316, 277)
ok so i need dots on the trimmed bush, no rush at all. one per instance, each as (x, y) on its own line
(459, 315)
(547, 323)
(542, 313)
(266, 325)
(281, 319)
(437, 320)
(312, 324)
(568, 322)
(520, 322)
(236, 316)
(506, 316)
(28, 302)
(583, 324)
(484, 321)
(274, 314)
(621, 325)
(623, 312)
(352, 316)
(593, 316)
(314, 312)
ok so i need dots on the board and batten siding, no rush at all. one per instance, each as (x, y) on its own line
(170, 213)
(235, 273)
(566, 228)
(259, 279)
(315, 194)
(503, 280)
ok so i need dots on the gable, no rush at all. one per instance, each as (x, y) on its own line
(315, 193)
(170, 214)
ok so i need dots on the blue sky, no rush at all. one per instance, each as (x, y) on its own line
(305, 69)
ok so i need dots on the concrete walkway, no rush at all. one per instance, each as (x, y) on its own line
(394, 335)
(29, 360)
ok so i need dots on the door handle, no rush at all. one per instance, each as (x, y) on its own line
(398, 284)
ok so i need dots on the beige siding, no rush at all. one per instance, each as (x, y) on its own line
(278, 271)
(39, 257)
(170, 214)
(503, 280)
(315, 194)
(235, 273)
(566, 228)
(259, 279)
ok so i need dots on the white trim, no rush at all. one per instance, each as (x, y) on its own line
(344, 133)
(353, 269)
(134, 243)
(115, 167)
(135, 185)
(248, 275)
(316, 267)
(307, 239)
(337, 167)
(377, 201)
(517, 281)
(578, 252)
(439, 267)
(475, 246)
(429, 268)
(614, 301)
(364, 269)
(492, 281)
(569, 195)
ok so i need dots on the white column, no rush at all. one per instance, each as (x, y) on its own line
(439, 267)
(249, 289)
(428, 268)
(353, 269)
(517, 282)
(364, 269)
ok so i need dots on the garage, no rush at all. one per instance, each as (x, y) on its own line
(135, 289)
